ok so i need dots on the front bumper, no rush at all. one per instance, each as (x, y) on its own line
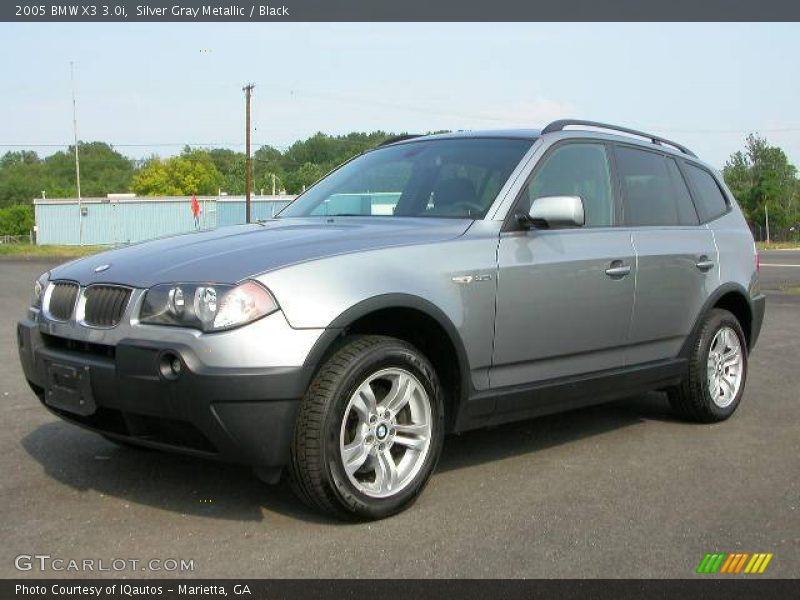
(243, 415)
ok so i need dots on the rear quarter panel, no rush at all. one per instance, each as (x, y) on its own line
(737, 251)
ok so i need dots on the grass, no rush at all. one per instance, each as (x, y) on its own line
(30, 250)
(778, 245)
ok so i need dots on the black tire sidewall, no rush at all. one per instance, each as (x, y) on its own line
(388, 354)
(719, 319)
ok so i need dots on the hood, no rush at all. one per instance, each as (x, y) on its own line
(230, 254)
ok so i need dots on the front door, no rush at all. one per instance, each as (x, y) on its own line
(565, 296)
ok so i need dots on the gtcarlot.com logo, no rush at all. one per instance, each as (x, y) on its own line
(45, 562)
(734, 563)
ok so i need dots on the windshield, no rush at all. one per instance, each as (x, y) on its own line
(457, 178)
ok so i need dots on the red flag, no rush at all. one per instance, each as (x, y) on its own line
(195, 206)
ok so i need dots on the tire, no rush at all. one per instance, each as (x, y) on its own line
(698, 397)
(340, 423)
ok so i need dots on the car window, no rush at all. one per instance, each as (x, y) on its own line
(710, 201)
(687, 214)
(647, 187)
(457, 178)
(576, 169)
(371, 192)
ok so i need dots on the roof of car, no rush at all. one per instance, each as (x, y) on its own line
(521, 134)
(595, 129)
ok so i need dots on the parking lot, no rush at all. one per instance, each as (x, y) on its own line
(622, 490)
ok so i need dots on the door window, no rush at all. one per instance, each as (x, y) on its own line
(649, 190)
(580, 169)
(686, 211)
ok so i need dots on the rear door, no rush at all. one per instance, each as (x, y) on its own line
(564, 296)
(676, 255)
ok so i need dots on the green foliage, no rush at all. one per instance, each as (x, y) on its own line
(304, 162)
(16, 219)
(24, 175)
(761, 176)
(193, 172)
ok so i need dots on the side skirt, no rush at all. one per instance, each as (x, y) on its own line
(514, 403)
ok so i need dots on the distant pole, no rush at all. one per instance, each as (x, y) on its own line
(77, 159)
(248, 90)
(766, 215)
(273, 184)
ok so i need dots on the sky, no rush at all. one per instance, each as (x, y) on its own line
(152, 88)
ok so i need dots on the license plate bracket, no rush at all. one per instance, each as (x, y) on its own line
(69, 388)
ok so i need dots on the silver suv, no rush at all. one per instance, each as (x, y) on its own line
(435, 284)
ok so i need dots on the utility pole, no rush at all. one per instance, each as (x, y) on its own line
(77, 159)
(248, 90)
(766, 217)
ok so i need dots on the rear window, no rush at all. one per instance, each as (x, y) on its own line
(710, 201)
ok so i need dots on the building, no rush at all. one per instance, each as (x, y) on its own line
(126, 218)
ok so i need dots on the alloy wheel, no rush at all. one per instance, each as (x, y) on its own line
(386, 432)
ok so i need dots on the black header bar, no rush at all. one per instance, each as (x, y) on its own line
(155, 11)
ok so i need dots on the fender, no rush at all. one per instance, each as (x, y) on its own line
(726, 288)
(339, 326)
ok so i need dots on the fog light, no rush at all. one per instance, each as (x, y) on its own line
(170, 365)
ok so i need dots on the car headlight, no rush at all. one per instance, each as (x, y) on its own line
(39, 287)
(206, 306)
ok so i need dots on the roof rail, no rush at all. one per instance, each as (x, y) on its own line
(399, 138)
(562, 123)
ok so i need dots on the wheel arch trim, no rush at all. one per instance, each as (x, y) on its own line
(374, 304)
(709, 304)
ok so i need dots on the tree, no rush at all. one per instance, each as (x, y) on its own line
(193, 172)
(22, 178)
(24, 175)
(231, 166)
(103, 171)
(306, 175)
(761, 176)
(16, 220)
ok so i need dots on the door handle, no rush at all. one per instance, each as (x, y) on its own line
(705, 263)
(617, 269)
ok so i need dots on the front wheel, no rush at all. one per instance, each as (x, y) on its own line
(370, 429)
(714, 386)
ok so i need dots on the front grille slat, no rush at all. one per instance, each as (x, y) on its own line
(62, 300)
(105, 305)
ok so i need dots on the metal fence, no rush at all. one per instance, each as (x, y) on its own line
(776, 234)
(15, 239)
(115, 221)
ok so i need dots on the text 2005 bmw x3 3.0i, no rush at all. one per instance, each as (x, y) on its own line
(435, 284)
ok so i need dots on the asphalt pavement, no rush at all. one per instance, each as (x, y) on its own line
(621, 490)
(780, 269)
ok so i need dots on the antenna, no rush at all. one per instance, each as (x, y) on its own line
(77, 158)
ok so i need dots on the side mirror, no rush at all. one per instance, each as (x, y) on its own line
(554, 211)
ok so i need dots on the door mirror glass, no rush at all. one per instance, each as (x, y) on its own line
(557, 211)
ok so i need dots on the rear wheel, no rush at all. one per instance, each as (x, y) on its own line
(370, 429)
(715, 383)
